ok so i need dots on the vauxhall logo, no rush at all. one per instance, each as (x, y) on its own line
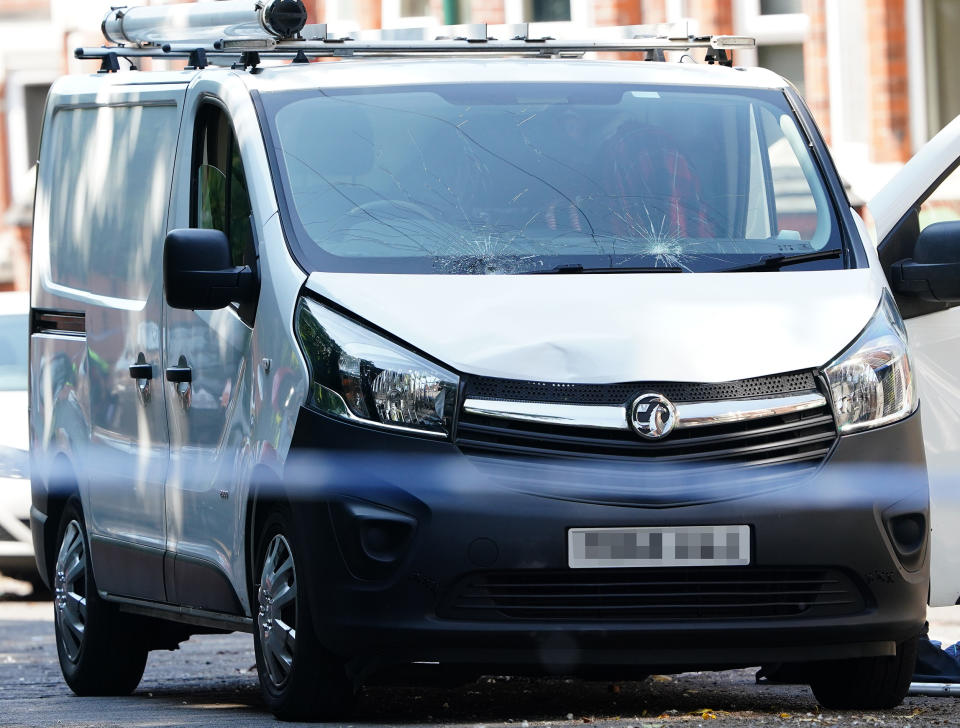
(653, 416)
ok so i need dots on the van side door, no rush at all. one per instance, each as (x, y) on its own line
(98, 406)
(924, 193)
(208, 372)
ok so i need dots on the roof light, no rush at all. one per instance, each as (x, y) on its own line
(733, 41)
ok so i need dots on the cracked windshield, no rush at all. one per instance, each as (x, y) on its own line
(541, 178)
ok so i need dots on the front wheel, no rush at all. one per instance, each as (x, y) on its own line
(299, 678)
(99, 649)
(865, 683)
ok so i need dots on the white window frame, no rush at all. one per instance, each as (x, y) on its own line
(18, 162)
(916, 73)
(336, 18)
(783, 29)
(391, 17)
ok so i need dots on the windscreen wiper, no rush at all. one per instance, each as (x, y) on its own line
(779, 260)
(578, 268)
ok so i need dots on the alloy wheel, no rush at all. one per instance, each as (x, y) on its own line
(70, 591)
(277, 614)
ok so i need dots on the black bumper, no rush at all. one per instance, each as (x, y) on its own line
(396, 530)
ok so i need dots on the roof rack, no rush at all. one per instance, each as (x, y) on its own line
(241, 32)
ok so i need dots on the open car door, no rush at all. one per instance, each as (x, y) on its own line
(918, 232)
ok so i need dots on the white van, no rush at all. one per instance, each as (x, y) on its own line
(526, 364)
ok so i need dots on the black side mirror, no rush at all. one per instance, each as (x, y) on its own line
(933, 274)
(198, 272)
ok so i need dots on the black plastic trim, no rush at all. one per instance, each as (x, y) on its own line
(185, 615)
(55, 321)
(127, 569)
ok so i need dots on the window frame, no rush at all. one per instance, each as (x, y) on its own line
(246, 312)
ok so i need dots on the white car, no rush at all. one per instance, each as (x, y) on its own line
(16, 543)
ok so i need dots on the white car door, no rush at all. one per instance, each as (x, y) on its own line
(927, 190)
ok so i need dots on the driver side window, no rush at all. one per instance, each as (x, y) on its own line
(219, 197)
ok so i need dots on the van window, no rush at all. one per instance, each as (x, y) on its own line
(220, 197)
(109, 189)
(516, 178)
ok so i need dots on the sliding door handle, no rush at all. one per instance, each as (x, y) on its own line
(141, 371)
(179, 374)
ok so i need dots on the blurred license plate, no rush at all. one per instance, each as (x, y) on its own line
(591, 548)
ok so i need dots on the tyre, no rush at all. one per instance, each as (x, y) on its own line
(99, 649)
(300, 679)
(865, 683)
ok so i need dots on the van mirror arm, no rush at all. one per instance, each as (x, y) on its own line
(933, 273)
(198, 273)
(222, 287)
(934, 282)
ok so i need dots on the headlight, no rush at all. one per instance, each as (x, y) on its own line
(872, 381)
(358, 375)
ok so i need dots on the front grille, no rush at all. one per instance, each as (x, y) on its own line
(804, 438)
(620, 394)
(668, 594)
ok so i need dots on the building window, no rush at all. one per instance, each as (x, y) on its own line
(785, 59)
(539, 11)
(414, 8)
(406, 14)
(780, 7)
(26, 97)
(780, 27)
(941, 25)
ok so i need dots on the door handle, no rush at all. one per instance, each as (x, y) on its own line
(179, 374)
(143, 373)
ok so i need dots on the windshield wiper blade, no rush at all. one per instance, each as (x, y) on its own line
(578, 268)
(779, 260)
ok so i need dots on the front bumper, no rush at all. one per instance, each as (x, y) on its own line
(407, 523)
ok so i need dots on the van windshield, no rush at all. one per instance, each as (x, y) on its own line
(527, 178)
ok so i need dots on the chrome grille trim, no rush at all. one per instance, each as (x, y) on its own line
(689, 414)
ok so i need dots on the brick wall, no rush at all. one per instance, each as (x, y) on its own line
(617, 12)
(888, 96)
(816, 76)
(486, 11)
(715, 16)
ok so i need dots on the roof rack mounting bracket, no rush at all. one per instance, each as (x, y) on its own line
(719, 56)
(248, 59)
(198, 60)
(110, 63)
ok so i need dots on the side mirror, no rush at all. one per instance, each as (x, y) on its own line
(198, 272)
(933, 274)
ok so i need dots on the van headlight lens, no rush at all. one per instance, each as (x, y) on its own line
(872, 382)
(359, 375)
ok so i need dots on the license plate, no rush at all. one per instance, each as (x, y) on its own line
(611, 548)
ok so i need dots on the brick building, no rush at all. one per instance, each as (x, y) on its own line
(875, 72)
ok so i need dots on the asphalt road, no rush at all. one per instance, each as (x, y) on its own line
(212, 681)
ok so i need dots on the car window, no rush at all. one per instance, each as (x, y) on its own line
(221, 200)
(943, 204)
(13, 352)
(515, 178)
